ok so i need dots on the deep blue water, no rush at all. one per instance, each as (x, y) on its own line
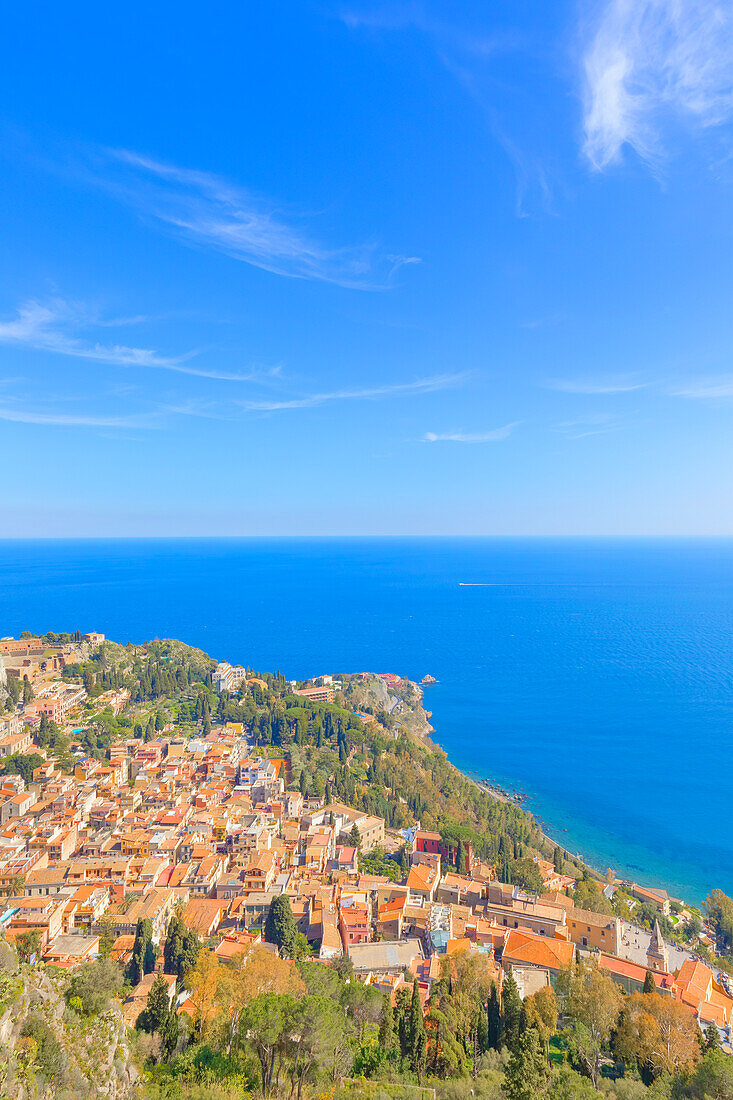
(594, 675)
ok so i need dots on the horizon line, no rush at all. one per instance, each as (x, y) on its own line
(371, 535)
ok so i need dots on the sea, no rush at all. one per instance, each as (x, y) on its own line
(592, 676)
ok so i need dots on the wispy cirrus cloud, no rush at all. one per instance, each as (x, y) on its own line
(594, 424)
(495, 435)
(647, 62)
(54, 412)
(430, 384)
(62, 328)
(77, 420)
(721, 386)
(472, 55)
(597, 386)
(210, 212)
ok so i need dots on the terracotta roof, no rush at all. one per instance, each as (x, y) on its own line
(526, 947)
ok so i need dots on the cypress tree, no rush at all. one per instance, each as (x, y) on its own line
(157, 1008)
(169, 1033)
(493, 1015)
(280, 926)
(528, 1072)
(173, 947)
(418, 1037)
(387, 1036)
(141, 952)
(650, 986)
(482, 1030)
(402, 1020)
(511, 1012)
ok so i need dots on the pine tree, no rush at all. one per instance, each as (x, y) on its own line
(528, 1073)
(650, 986)
(511, 1012)
(712, 1038)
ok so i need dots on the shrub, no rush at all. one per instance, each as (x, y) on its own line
(92, 985)
(49, 1056)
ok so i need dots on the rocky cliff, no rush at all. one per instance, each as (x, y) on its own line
(48, 1049)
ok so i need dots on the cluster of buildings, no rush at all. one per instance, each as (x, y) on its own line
(206, 827)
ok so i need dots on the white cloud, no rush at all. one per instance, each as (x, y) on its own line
(73, 420)
(54, 326)
(711, 387)
(310, 401)
(594, 424)
(211, 212)
(648, 62)
(493, 436)
(597, 386)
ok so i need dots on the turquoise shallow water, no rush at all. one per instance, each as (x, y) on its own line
(596, 676)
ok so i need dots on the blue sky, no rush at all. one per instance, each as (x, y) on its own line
(451, 268)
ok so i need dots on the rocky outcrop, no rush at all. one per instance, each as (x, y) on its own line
(47, 1049)
(401, 701)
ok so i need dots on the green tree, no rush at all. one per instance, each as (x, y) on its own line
(402, 1020)
(528, 1073)
(355, 837)
(418, 1037)
(143, 952)
(719, 909)
(511, 1012)
(387, 1034)
(28, 945)
(159, 1016)
(154, 1015)
(569, 1085)
(588, 895)
(107, 937)
(650, 986)
(261, 1027)
(712, 1038)
(173, 945)
(592, 1001)
(493, 1016)
(280, 927)
(525, 873)
(711, 1080)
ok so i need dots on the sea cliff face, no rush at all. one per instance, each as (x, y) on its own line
(400, 700)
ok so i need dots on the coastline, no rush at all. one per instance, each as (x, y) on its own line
(551, 832)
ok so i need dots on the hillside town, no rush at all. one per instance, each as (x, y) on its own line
(206, 828)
